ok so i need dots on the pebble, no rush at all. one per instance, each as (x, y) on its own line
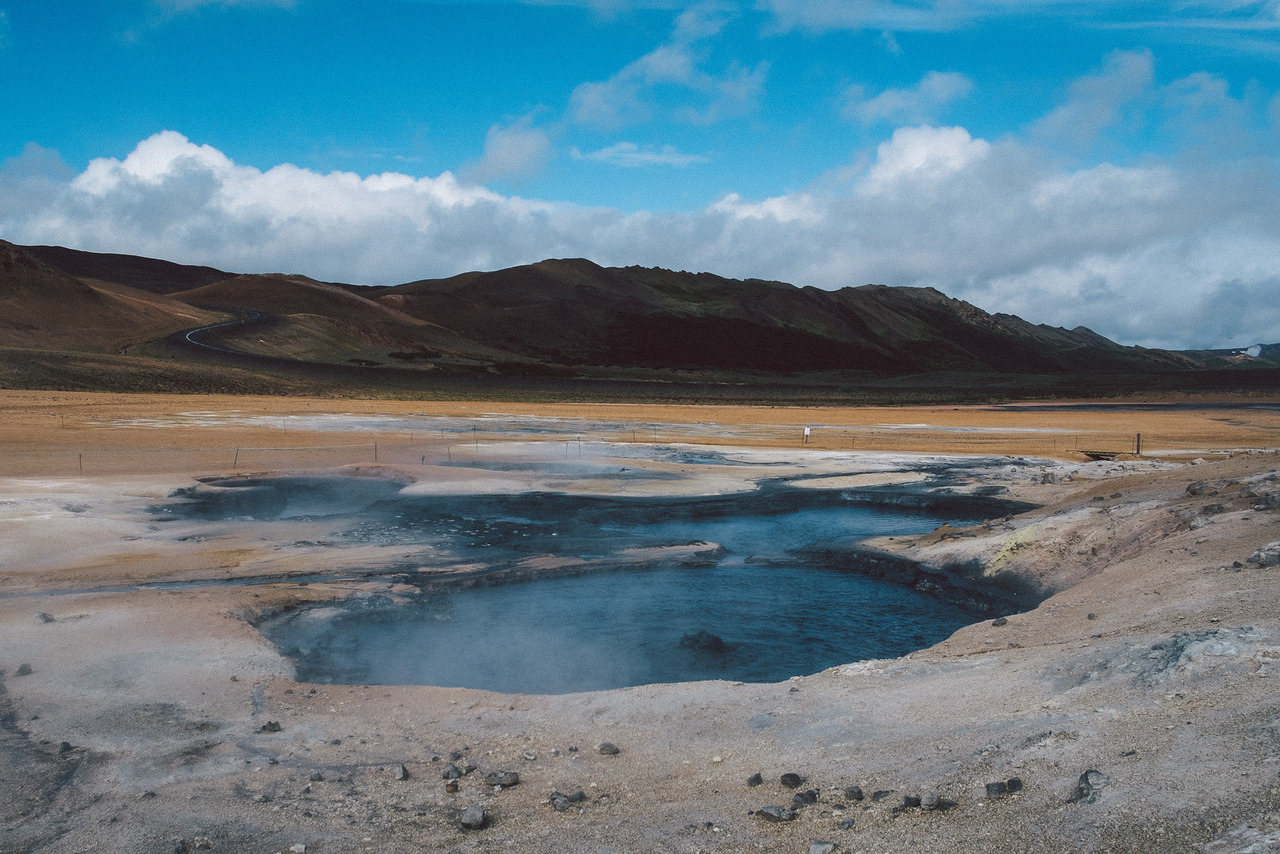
(847, 824)
(910, 802)
(803, 799)
(790, 780)
(997, 789)
(270, 726)
(502, 779)
(561, 802)
(776, 814)
(42, 617)
(24, 670)
(817, 846)
(451, 772)
(474, 818)
(1089, 788)
(608, 748)
(402, 773)
(930, 801)
(1000, 621)
(756, 779)
(853, 793)
(297, 848)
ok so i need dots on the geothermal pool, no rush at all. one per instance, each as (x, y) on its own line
(750, 592)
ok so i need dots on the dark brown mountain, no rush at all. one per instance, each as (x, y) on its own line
(574, 312)
(44, 308)
(147, 274)
(562, 319)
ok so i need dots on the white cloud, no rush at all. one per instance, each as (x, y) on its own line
(1098, 101)
(630, 96)
(628, 154)
(1160, 255)
(917, 104)
(517, 150)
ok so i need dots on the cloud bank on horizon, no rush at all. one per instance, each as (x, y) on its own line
(1076, 162)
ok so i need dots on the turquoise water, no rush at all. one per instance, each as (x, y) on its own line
(777, 608)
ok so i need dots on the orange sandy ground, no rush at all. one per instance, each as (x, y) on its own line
(66, 433)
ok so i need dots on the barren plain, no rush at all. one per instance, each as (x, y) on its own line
(1129, 705)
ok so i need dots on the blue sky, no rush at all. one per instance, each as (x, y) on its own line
(1077, 162)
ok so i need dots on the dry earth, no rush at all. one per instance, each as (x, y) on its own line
(138, 719)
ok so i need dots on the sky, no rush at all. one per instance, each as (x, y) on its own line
(1113, 164)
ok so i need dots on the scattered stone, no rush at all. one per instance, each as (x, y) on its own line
(1000, 621)
(402, 773)
(1243, 838)
(64, 747)
(1014, 785)
(776, 814)
(561, 802)
(455, 755)
(790, 780)
(42, 617)
(608, 748)
(1270, 501)
(1089, 788)
(997, 789)
(1268, 555)
(297, 848)
(23, 670)
(316, 777)
(451, 772)
(853, 793)
(930, 801)
(530, 756)
(847, 824)
(474, 818)
(270, 726)
(1091, 616)
(502, 779)
(147, 794)
(703, 641)
(756, 779)
(817, 846)
(1117, 495)
(805, 798)
(451, 786)
(877, 797)
(910, 802)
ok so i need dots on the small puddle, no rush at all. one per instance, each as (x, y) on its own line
(762, 607)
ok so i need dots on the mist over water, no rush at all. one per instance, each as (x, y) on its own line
(765, 608)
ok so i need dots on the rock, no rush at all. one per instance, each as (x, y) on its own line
(1268, 555)
(776, 814)
(316, 777)
(1243, 838)
(846, 824)
(853, 793)
(1089, 788)
(1014, 784)
(997, 789)
(817, 846)
(790, 780)
(23, 670)
(561, 802)
(930, 801)
(1000, 621)
(910, 802)
(451, 772)
(402, 773)
(42, 617)
(474, 818)
(805, 798)
(502, 779)
(64, 747)
(608, 748)
(455, 755)
(756, 779)
(270, 726)
(1270, 501)
(703, 641)
(297, 848)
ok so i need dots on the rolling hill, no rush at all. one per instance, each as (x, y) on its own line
(568, 320)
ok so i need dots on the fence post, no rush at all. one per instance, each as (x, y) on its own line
(236, 462)
(375, 452)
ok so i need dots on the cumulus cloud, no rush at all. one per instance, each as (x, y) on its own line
(630, 155)
(517, 150)
(1157, 254)
(691, 93)
(920, 103)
